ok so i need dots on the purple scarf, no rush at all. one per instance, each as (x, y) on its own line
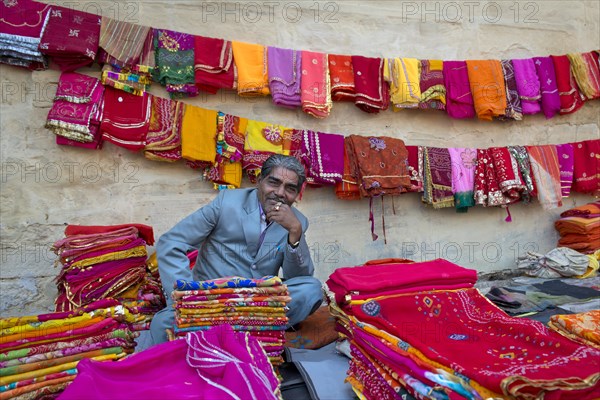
(284, 76)
(550, 96)
(323, 156)
(459, 100)
(528, 85)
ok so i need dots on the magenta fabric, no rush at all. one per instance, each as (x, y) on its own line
(528, 85)
(71, 38)
(215, 364)
(372, 280)
(459, 99)
(323, 157)
(285, 72)
(548, 85)
(20, 30)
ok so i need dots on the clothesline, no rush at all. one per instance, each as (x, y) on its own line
(134, 55)
(223, 145)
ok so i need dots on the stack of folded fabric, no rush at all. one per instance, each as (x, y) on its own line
(582, 327)
(39, 353)
(257, 306)
(422, 329)
(77, 110)
(100, 262)
(20, 31)
(579, 228)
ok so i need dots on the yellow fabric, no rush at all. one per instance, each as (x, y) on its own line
(54, 369)
(252, 72)
(58, 326)
(232, 173)
(592, 268)
(404, 75)
(138, 251)
(256, 137)
(198, 134)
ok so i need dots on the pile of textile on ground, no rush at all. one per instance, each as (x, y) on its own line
(579, 228)
(422, 328)
(560, 262)
(100, 262)
(257, 306)
(219, 363)
(39, 353)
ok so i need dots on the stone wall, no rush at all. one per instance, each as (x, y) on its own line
(45, 186)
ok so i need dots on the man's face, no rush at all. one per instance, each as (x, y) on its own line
(281, 186)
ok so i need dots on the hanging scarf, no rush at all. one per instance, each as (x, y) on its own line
(341, 77)
(21, 27)
(571, 98)
(585, 69)
(507, 173)
(122, 41)
(163, 141)
(264, 139)
(566, 163)
(76, 111)
(487, 188)
(198, 131)
(347, 188)
(415, 167)
(234, 135)
(437, 177)
(226, 173)
(70, 38)
(586, 172)
(487, 85)
(315, 85)
(285, 73)
(126, 119)
(528, 85)
(463, 161)
(433, 90)
(123, 79)
(519, 153)
(403, 74)
(174, 54)
(459, 100)
(213, 64)
(372, 92)
(546, 172)
(548, 86)
(513, 102)
(323, 157)
(379, 163)
(251, 63)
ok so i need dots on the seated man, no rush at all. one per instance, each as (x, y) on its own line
(244, 232)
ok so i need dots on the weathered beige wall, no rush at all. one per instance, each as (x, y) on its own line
(45, 186)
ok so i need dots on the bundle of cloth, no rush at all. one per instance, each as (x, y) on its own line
(219, 363)
(100, 262)
(21, 29)
(579, 228)
(581, 327)
(256, 306)
(423, 329)
(39, 354)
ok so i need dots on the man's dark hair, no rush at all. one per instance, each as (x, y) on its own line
(288, 162)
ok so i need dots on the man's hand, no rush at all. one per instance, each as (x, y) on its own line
(284, 216)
